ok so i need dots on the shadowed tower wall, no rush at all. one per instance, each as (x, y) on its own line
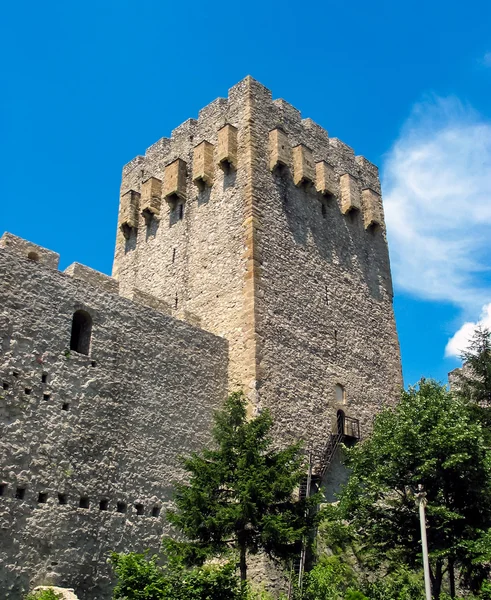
(254, 224)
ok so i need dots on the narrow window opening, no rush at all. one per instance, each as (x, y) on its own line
(34, 256)
(181, 211)
(20, 493)
(121, 507)
(140, 509)
(42, 497)
(327, 295)
(323, 210)
(93, 364)
(81, 332)
(62, 499)
(104, 504)
(44, 378)
(340, 394)
(5, 385)
(173, 256)
(84, 502)
(156, 511)
(65, 406)
(176, 302)
(27, 391)
(3, 489)
(46, 397)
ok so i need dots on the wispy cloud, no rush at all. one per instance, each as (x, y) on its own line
(437, 185)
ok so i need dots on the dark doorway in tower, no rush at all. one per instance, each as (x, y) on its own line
(340, 422)
(81, 332)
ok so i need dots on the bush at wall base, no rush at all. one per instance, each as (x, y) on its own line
(44, 595)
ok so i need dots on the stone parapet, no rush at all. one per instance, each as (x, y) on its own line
(29, 251)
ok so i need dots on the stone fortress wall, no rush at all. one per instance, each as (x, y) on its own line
(254, 223)
(250, 252)
(89, 443)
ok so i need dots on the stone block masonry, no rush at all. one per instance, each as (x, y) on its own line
(283, 253)
(89, 443)
(250, 253)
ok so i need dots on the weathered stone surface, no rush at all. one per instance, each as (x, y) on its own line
(92, 277)
(350, 193)
(175, 180)
(297, 294)
(29, 250)
(151, 198)
(372, 208)
(279, 149)
(203, 165)
(226, 145)
(302, 293)
(107, 427)
(128, 212)
(326, 181)
(303, 165)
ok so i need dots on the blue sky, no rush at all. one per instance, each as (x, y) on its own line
(87, 86)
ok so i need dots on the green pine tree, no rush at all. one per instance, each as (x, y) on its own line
(241, 492)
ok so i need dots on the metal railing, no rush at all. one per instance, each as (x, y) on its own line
(352, 427)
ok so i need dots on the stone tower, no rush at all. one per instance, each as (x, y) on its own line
(250, 252)
(253, 224)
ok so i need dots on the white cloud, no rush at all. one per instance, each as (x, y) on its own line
(437, 186)
(460, 340)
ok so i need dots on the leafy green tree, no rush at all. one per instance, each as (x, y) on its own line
(473, 381)
(431, 439)
(241, 492)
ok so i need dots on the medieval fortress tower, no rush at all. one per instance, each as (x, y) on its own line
(250, 253)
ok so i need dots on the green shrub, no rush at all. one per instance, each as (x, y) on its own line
(402, 584)
(328, 580)
(354, 595)
(140, 577)
(43, 595)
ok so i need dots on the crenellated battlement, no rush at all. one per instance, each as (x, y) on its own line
(192, 159)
